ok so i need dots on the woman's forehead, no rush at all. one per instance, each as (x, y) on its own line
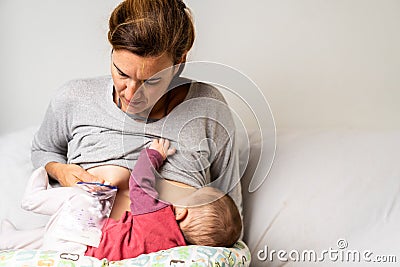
(140, 67)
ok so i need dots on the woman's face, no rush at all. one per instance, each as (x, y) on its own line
(140, 81)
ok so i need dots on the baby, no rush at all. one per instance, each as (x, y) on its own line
(207, 217)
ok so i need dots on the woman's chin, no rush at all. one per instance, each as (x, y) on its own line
(139, 110)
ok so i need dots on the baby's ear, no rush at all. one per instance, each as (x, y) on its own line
(180, 213)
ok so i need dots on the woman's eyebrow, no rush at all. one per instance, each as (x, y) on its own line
(145, 80)
(120, 71)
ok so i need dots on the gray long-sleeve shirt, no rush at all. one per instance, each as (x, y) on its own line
(83, 126)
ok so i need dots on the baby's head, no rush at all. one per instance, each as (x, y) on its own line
(209, 217)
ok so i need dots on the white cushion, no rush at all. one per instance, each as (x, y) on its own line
(15, 170)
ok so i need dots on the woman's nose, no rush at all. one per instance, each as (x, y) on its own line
(131, 88)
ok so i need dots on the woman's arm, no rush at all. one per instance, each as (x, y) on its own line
(50, 144)
(225, 174)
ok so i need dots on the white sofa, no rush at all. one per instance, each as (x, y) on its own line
(328, 190)
(332, 192)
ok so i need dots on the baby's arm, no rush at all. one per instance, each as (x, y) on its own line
(144, 197)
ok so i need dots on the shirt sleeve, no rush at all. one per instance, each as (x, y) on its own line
(143, 196)
(50, 143)
(224, 165)
(225, 174)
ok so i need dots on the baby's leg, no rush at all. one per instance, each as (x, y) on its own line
(39, 199)
(62, 227)
(11, 238)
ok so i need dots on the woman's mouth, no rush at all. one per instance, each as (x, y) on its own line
(136, 102)
(133, 102)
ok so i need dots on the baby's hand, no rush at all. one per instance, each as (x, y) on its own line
(162, 146)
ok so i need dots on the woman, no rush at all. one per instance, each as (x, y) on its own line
(94, 129)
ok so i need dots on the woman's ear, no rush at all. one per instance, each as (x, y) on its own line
(180, 213)
(178, 68)
(182, 59)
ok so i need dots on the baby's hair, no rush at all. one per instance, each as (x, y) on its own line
(214, 219)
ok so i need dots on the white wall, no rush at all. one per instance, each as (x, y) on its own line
(45, 43)
(332, 63)
(320, 64)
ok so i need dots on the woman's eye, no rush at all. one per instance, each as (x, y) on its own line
(152, 82)
(122, 75)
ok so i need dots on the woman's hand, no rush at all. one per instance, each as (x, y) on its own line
(162, 146)
(69, 174)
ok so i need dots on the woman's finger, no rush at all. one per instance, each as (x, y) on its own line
(87, 177)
